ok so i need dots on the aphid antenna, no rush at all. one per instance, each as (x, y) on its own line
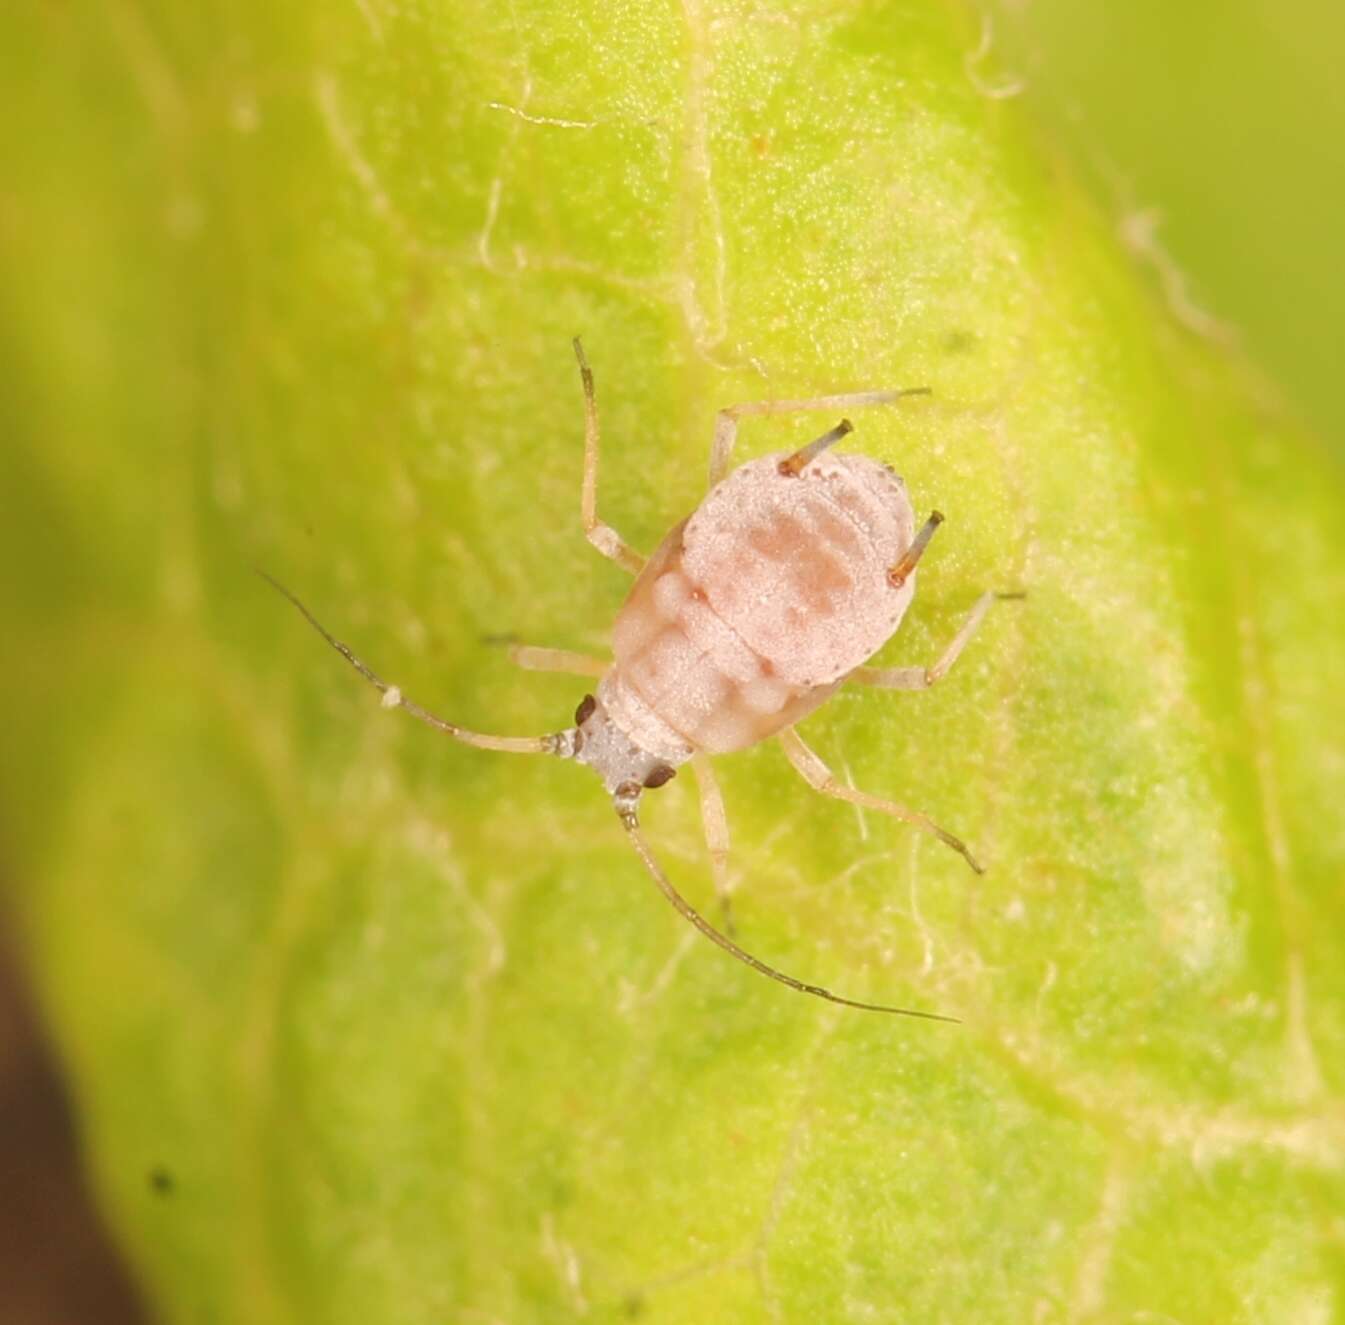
(556, 743)
(627, 811)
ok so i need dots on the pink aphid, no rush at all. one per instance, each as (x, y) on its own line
(753, 611)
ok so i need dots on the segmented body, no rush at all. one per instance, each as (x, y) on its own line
(788, 577)
(756, 607)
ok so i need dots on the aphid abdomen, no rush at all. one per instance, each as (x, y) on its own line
(745, 618)
(797, 566)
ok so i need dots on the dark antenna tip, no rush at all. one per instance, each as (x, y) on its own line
(689, 913)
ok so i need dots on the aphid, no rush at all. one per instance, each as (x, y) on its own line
(794, 570)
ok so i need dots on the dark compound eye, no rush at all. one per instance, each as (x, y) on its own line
(585, 710)
(658, 775)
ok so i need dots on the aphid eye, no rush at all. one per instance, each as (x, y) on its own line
(658, 775)
(585, 710)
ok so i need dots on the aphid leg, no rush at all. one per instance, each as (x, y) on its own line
(598, 532)
(558, 743)
(626, 809)
(726, 424)
(534, 659)
(821, 778)
(716, 825)
(921, 678)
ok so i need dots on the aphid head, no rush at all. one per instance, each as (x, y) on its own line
(625, 769)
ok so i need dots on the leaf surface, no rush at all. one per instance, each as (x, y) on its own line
(293, 286)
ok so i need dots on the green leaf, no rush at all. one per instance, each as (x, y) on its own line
(400, 1026)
